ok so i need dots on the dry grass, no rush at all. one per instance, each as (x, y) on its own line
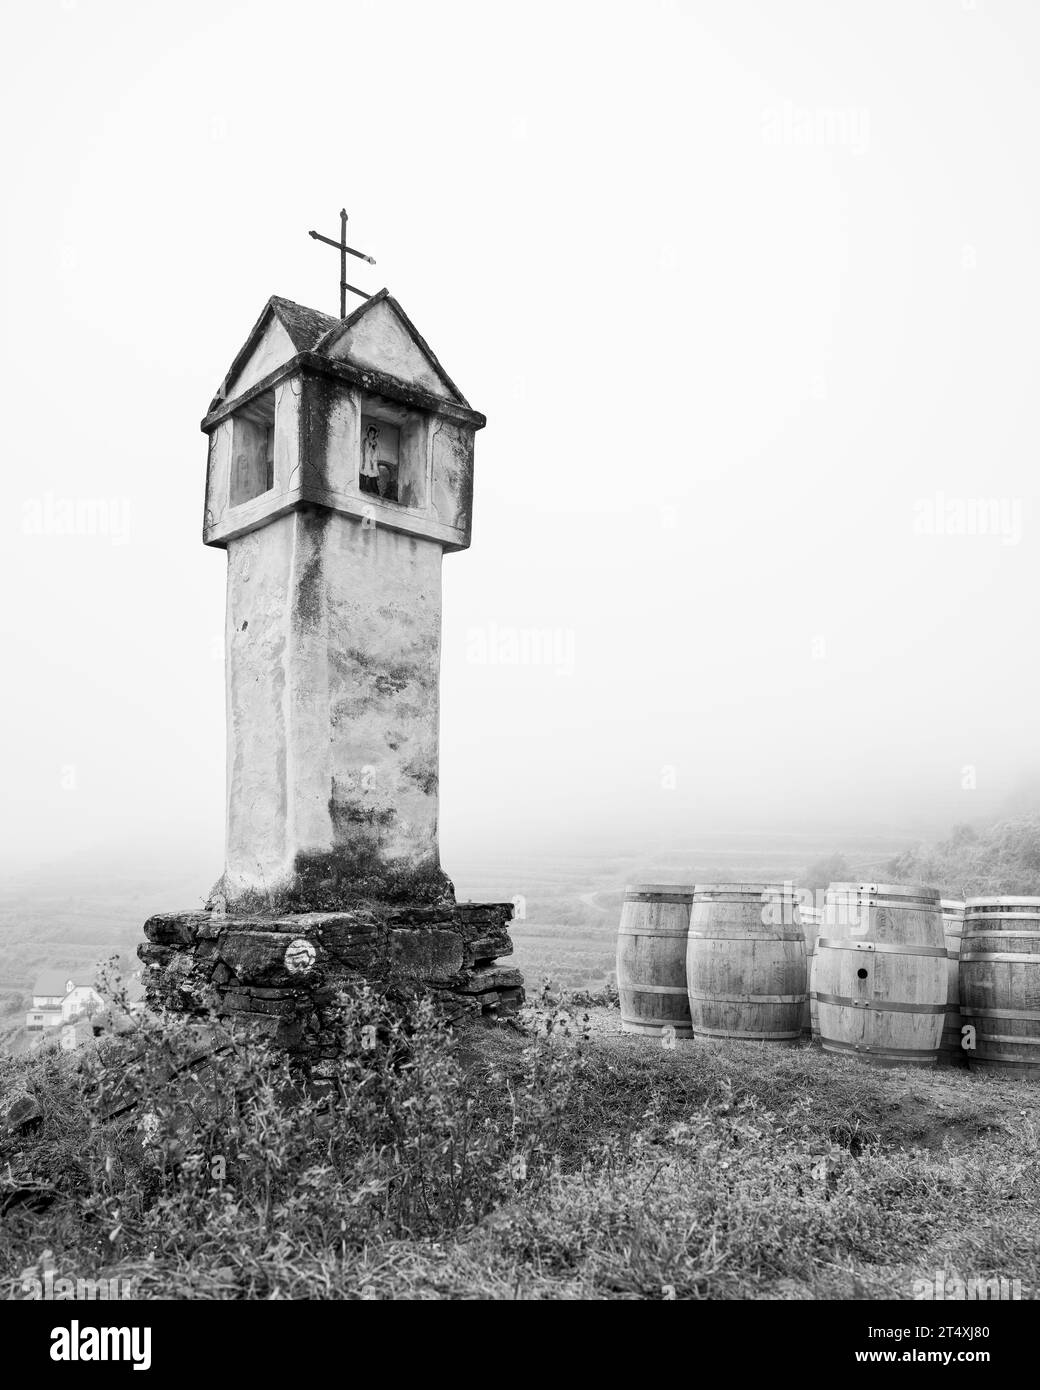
(533, 1165)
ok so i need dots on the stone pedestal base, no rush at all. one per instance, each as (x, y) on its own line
(281, 973)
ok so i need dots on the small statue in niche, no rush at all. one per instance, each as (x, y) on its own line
(369, 478)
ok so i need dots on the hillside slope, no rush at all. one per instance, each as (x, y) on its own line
(555, 1162)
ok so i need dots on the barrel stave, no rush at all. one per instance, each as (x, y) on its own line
(810, 918)
(950, 1051)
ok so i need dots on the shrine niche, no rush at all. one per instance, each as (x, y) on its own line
(252, 472)
(380, 458)
(393, 453)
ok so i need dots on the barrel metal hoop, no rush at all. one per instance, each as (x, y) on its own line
(700, 1032)
(832, 1045)
(875, 899)
(654, 1025)
(655, 935)
(747, 936)
(986, 1038)
(711, 892)
(1011, 931)
(1006, 1059)
(976, 915)
(653, 989)
(881, 947)
(683, 898)
(900, 892)
(1034, 958)
(748, 998)
(1027, 1015)
(885, 1006)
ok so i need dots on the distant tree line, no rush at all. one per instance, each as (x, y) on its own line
(1003, 858)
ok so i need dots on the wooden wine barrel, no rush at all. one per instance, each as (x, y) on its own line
(745, 962)
(651, 958)
(1000, 983)
(879, 981)
(810, 918)
(950, 1051)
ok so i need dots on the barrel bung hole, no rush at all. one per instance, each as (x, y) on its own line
(862, 974)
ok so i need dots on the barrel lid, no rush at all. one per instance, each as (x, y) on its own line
(888, 890)
(680, 889)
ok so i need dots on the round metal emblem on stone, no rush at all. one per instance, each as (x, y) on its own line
(300, 955)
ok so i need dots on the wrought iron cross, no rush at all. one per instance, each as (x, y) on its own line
(344, 251)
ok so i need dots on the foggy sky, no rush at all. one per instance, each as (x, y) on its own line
(748, 294)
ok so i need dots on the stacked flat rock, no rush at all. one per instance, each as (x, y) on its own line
(283, 974)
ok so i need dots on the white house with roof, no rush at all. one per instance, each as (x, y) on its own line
(61, 997)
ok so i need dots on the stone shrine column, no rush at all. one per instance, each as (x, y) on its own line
(340, 471)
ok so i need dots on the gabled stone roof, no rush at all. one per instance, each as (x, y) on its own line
(341, 327)
(304, 326)
(310, 330)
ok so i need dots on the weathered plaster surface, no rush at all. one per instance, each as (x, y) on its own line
(384, 612)
(256, 645)
(333, 661)
(380, 340)
(451, 453)
(221, 519)
(336, 469)
(274, 347)
(218, 476)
